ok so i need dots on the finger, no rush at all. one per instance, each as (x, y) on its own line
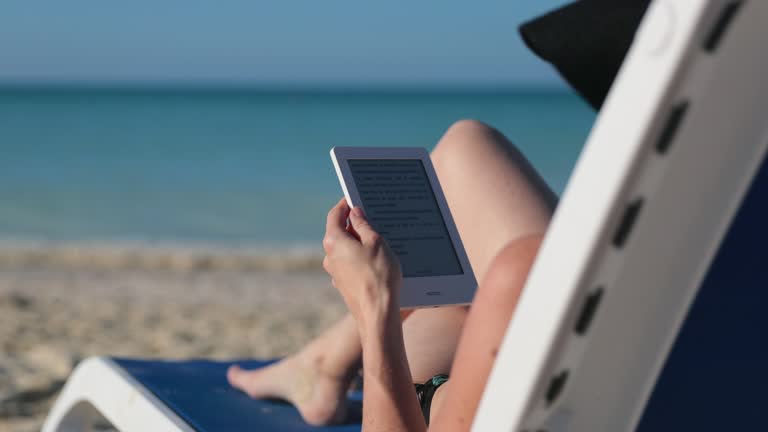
(352, 232)
(326, 265)
(336, 224)
(363, 229)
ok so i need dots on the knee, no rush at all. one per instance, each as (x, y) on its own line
(468, 128)
(459, 136)
(464, 140)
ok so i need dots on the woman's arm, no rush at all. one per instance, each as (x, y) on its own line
(389, 399)
(367, 275)
(489, 316)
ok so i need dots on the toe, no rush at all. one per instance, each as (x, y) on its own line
(235, 377)
(257, 383)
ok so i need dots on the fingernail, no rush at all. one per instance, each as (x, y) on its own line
(357, 212)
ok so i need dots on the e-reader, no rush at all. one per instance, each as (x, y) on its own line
(400, 194)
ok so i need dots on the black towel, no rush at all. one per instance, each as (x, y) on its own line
(586, 42)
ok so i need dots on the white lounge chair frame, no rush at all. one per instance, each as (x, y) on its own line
(98, 386)
(689, 194)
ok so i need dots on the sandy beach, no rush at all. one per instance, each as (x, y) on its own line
(60, 306)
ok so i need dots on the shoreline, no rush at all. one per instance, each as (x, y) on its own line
(180, 258)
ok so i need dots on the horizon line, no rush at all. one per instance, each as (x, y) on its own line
(281, 86)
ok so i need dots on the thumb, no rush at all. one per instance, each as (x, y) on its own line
(361, 226)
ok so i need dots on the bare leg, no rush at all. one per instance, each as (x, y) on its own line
(495, 198)
(494, 193)
(315, 379)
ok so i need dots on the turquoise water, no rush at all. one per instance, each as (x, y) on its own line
(231, 167)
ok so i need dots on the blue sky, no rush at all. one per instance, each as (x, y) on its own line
(288, 41)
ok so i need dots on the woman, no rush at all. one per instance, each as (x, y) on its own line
(501, 207)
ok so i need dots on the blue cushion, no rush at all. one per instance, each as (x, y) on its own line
(197, 390)
(715, 377)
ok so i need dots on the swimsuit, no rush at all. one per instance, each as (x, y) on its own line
(425, 392)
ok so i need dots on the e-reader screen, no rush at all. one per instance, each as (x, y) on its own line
(400, 205)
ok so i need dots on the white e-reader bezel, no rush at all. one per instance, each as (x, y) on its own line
(419, 291)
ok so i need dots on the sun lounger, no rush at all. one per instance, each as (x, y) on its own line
(679, 141)
(193, 395)
(675, 147)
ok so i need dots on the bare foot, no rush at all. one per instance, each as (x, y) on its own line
(319, 395)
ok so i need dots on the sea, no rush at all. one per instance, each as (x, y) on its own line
(231, 167)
